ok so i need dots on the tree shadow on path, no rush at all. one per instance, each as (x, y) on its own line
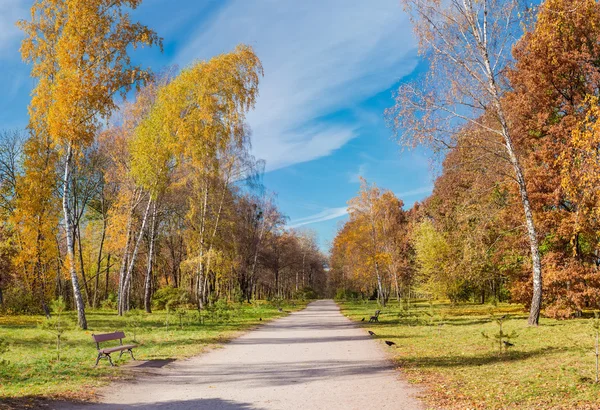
(192, 404)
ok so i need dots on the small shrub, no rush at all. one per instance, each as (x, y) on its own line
(17, 300)
(306, 293)
(501, 339)
(169, 296)
(198, 317)
(220, 310)
(409, 314)
(346, 294)
(109, 303)
(4, 347)
(134, 319)
(58, 323)
(181, 314)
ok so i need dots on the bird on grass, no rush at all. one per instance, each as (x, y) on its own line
(371, 333)
(362, 320)
(390, 344)
(280, 309)
(260, 319)
(507, 343)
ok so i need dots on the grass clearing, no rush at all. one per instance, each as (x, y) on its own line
(30, 369)
(549, 367)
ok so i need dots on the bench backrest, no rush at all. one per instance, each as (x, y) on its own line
(377, 313)
(105, 337)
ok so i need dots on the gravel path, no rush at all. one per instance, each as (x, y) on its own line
(312, 359)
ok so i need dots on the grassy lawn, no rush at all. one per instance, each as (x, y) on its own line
(32, 370)
(550, 367)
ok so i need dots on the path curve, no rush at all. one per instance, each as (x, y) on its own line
(312, 359)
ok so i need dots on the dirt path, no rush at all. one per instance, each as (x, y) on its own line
(312, 359)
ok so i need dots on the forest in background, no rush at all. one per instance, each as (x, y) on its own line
(511, 102)
(110, 204)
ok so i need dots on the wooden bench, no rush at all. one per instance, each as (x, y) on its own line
(104, 353)
(375, 317)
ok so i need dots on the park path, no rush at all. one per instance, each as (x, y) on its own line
(312, 359)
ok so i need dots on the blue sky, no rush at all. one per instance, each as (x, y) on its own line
(330, 69)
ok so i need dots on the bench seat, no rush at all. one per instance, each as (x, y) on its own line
(116, 349)
(104, 352)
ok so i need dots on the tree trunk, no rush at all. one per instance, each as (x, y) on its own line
(148, 285)
(127, 280)
(200, 275)
(86, 286)
(124, 260)
(99, 260)
(81, 319)
(396, 285)
(379, 285)
(536, 301)
(107, 276)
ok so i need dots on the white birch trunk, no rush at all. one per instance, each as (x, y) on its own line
(81, 319)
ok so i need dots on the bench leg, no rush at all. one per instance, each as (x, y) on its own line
(104, 356)
(128, 350)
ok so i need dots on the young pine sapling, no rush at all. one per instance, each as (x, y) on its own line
(181, 313)
(135, 319)
(58, 323)
(501, 339)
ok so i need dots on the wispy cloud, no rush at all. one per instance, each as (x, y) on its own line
(319, 57)
(327, 214)
(333, 213)
(414, 192)
(355, 176)
(10, 12)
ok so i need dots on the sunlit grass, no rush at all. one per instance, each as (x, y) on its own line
(31, 369)
(442, 347)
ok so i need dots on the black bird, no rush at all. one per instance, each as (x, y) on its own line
(390, 344)
(260, 319)
(507, 343)
(371, 333)
(280, 309)
(362, 320)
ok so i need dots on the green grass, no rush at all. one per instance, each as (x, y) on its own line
(32, 370)
(550, 367)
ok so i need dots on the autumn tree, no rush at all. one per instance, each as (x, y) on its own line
(36, 217)
(79, 55)
(372, 250)
(201, 113)
(467, 44)
(471, 212)
(555, 80)
(11, 151)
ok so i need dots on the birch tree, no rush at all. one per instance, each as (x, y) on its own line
(467, 43)
(79, 54)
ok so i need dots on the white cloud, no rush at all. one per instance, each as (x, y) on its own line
(355, 176)
(10, 12)
(319, 57)
(333, 213)
(414, 192)
(327, 214)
